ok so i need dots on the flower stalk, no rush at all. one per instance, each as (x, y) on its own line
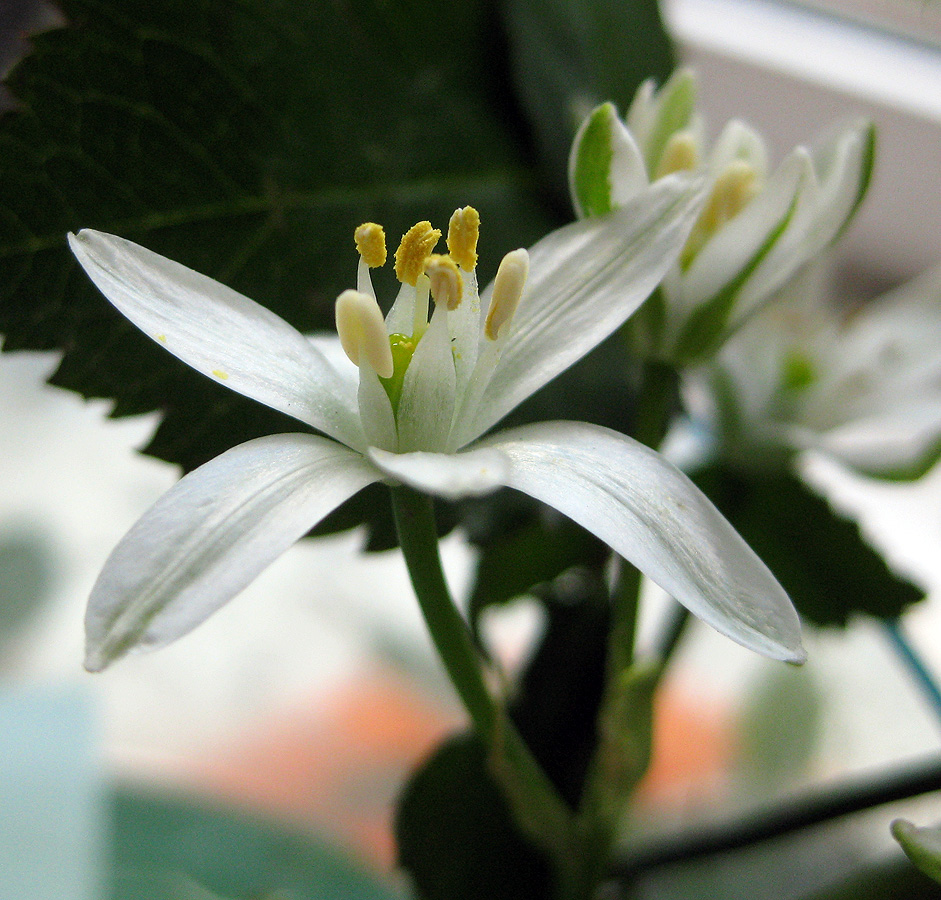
(539, 810)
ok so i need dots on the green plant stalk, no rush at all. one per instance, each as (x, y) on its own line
(539, 810)
(602, 799)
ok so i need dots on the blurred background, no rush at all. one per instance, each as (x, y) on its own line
(310, 698)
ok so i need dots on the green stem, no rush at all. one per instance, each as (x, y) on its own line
(677, 619)
(603, 798)
(414, 520)
(625, 602)
(657, 401)
(532, 797)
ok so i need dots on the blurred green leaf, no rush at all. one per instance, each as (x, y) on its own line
(541, 547)
(26, 571)
(556, 704)
(820, 558)
(570, 55)
(893, 879)
(180, 849)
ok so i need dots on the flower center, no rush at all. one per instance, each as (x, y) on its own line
(432, 370)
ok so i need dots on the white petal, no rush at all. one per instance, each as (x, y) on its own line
(585, 280)
(212, 534)
(828, 200)
(220, 333)
(472, 473)
(843, 165)
(464, 329)
(903, 438)
(427, 402)
(655, 517)
(375, 411)
(639, 504)
(641, 113)
(740, 141)
(734, 247)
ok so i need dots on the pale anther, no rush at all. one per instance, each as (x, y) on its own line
(681, 154)
(371, 243)
(736, 185)
(463, 232)
(362, 332)
(416, 246)
(734, 188)
(507, 290)
(444, 280)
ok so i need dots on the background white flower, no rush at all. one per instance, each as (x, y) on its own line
(862, 386)
(756, 227)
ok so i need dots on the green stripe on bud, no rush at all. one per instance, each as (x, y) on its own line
(590, 165)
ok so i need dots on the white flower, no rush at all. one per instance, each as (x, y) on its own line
(863, 387)
(421, 396)
(755, 229)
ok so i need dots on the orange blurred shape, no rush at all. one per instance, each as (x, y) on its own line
(335, 771)
(694, 749)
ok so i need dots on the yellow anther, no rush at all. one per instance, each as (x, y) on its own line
(507, 290)
(734, 188)
(445, 280)
(681, 154)
(362, 332)
(417, 244)
(737, 184)
(463, 232)
(371, 244)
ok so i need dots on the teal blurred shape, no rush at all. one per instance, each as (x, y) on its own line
(183, 848)
(52, 801)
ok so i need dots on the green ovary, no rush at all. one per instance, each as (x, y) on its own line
(797, 372)
(403, 347)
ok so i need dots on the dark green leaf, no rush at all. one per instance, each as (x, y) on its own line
(556, 709)
(176, 849)
(571, 55)
(820, 558)
(245, 139)
(537, 551)
(455, 834)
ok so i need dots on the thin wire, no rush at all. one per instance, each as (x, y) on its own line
(915, 664)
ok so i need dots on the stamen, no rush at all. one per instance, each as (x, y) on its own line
(507, 290)
(463, 232)
(416, 246)
(737, 184)
(681, 154)
(371, 244)
(362, 332)
(445, 280)
(420, 314)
